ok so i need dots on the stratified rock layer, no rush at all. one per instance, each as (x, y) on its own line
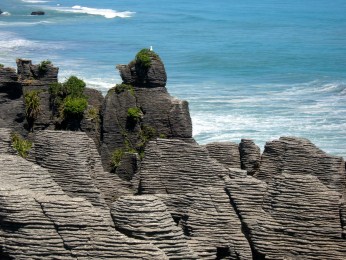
(136, 74)
(292, 209)
(74, 163)
(5, 141)
(146, 217)
(250, 156)
(226, 153)
(12, 108)
(173, 200)
(161, 114)
(39, 221)
(191, 184)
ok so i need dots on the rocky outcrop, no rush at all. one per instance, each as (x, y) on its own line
(168, 198)
(250, 156)
(292, 208)
(37, 13)
(40, 74)
(191, 183)
(299, 156)
(152, 75)
(5, 141)
(39, 221)
(11, 103)
(91, 123)
(226, 153)
(62, 152)
(159, 114)
(147, 218)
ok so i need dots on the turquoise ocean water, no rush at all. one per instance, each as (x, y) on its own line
(249, 69)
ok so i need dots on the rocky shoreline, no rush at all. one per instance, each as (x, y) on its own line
(125, 179)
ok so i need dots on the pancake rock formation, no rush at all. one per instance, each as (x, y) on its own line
(126, 180)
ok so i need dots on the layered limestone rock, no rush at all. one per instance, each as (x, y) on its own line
(147, 218)
(39, 221)
(156, 112)
(12, 106)
(147, 70)
(250, 156)
(74, 163)
(293, 208)
(40, 74)
(226, 153)
(5, 141)
(191, 184)
(299, 156)
(219, 201)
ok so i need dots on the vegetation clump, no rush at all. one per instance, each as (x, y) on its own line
(32, 104)
(144, 56)
(118, 154)
(119, 88)
(74, 106)
(1, 65)
(116, 157)
(21, 145)
(92, 113)
(74, 87)
(68, 98)
(134, 114)
(43, 66)
(147, 133)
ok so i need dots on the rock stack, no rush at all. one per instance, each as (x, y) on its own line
(167, 197)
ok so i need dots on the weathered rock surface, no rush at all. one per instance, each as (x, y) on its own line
(91, 123)
(162, 115)
(226, 153)
(74, 163)
(299, 156)
(218, 201)
(291, 210)
(184, 173)
(168, 115)
(139, 76)
(147, 218)
(12, 108)
(5, 141)
(38, 74)
(250, 156)
(39, 221)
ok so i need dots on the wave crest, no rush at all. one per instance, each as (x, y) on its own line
(107, 13)
(5, 14)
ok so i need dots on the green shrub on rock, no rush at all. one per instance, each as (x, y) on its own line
(1, 65)
(21, 145)
(119, 88)
(116, 157)
(144, 56)
(92, 113)
(74, 87)
(74, 107)
(67, 98)
(32, 104)
(43, 66)
(134, 114)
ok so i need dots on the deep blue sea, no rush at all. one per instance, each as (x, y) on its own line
(249, 68)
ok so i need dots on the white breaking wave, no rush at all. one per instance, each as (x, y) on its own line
(23, 46)
(107, 13)
(5, 14)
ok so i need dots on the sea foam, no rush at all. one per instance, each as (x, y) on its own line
(5, 14)
(107, 13)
